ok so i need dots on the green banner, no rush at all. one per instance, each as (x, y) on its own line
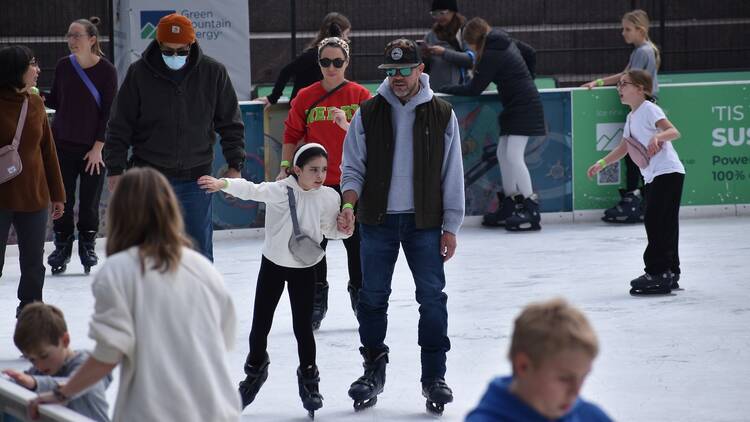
(714, 121)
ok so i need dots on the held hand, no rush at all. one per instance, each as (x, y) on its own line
(210, 184)
(654, 146)
(345, 220)
(20, 378)
(94, 159)
(595, 168)
(46, 398)
(339, 117)
(437, 50)
(112, 182)
(57, 210)
(447, 245)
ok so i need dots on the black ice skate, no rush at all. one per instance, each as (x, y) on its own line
(308, 380)
(628, 211)
(526, 215)
(505, 209)
(320, 305)
(86, 244)
(353, 295)
(437, 393)
(59, 258)
(256, 376)
(364, 391)
(652, 284)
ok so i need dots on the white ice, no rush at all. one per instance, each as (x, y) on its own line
(682, 357)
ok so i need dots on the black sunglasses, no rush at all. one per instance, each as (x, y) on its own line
(170, 52)
(337, 63)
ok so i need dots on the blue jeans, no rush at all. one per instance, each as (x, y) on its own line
(196, 211)
(379, 252)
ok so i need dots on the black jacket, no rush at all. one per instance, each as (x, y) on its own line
(172, 125)
(503, 64)
(305, 71)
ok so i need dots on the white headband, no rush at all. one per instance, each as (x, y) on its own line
(304, 148)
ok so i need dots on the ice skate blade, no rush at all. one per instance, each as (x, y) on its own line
(621, 220)
(360, 405)
(650, 292)
(526, 227)
(59, 270)
(311, 414)
(435, 409)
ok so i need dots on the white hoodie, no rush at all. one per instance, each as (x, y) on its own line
(317, 210)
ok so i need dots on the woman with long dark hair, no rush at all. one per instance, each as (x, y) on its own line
(446, 58)
(304, 69)
(500, 60)
(82, 93)
(25, 198)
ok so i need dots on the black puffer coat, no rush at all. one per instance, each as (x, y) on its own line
(503, 64)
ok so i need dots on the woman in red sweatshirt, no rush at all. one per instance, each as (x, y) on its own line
(321, 113)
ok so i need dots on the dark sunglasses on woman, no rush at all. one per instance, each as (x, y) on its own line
(337, 63)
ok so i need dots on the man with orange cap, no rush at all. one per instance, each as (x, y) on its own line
(170, 106)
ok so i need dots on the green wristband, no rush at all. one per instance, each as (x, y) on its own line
(600, 82)
(285, 163)
(226, 183)
(347, 205)
(602, 163)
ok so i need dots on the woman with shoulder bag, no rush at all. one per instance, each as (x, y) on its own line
(25, 198)
(82, 93)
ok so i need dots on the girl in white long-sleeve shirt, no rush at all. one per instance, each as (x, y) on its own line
(317, 213)
(161, 311)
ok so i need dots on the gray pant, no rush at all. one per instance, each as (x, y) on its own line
(31, 230)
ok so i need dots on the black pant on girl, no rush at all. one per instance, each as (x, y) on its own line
(662, 223)
(73, 168)
(301, 286)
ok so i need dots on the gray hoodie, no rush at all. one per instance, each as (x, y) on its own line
(91, 403)
(401, 193)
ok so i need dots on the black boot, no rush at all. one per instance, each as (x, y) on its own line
(526, 216)
(353, 295)
(59, 258)
(437, 393)
(652, 284)
(256, 376)
(308, 380)
(320, 305)
(364, 391)
(630, 209)
(86, 251)
(505, 207)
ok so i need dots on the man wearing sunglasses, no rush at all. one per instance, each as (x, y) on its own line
(402, 166)
(169, 108)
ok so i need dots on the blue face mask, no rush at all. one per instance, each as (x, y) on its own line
(174, 62)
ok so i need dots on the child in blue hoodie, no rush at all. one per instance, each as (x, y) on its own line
(552, 349)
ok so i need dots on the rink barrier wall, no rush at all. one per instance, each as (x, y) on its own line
(713, 117)
(14, 401)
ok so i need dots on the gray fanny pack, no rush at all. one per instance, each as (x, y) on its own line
(303, 248)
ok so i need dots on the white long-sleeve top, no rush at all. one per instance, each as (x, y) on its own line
(171, 333)
(317, 210)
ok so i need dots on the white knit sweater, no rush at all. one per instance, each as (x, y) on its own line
(317, 210)
(171, 333)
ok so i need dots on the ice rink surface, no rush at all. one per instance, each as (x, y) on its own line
(681, 357)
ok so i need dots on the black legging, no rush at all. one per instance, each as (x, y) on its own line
(270, 286)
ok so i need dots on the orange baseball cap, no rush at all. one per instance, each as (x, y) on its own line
(175, 29)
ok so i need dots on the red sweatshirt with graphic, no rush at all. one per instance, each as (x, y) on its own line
(320, 126)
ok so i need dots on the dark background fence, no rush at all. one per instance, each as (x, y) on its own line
(576, 40)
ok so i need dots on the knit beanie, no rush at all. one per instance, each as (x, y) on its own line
(445, 5)
(175, 29)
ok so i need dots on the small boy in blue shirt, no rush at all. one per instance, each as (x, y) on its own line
(42, 336)
(552, 349)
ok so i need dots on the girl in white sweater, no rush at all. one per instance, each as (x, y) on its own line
(161, 311)
(317, 211)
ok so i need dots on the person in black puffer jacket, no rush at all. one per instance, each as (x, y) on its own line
(500, 60)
